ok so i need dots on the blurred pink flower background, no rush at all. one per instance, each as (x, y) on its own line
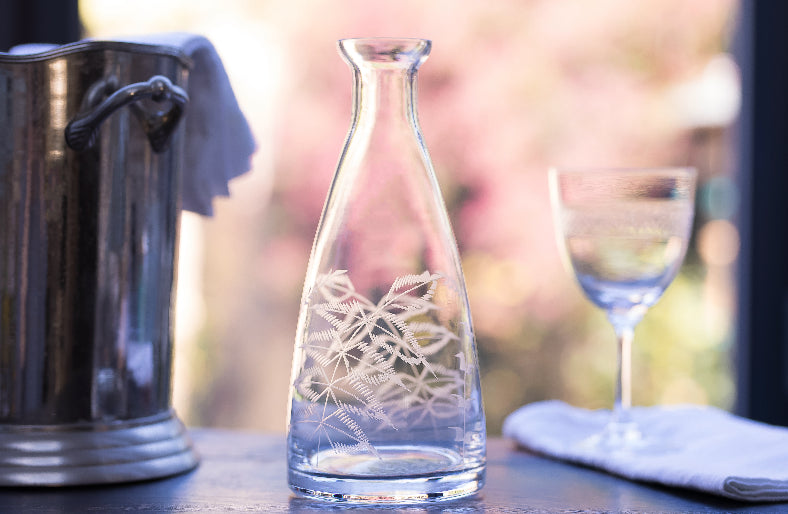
(510, 89)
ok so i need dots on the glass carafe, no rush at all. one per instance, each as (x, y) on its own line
(385, 401)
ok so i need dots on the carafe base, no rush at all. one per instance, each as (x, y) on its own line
(398, 474)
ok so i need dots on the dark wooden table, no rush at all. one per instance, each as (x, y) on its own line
(246, 472)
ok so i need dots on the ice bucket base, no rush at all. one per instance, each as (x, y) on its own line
(95, 453)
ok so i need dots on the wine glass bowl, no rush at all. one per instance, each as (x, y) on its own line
(623, 234)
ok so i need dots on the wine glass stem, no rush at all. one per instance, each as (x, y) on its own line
(623, 401)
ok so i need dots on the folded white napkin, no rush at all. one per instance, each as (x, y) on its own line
(218, 140)
(701, 448)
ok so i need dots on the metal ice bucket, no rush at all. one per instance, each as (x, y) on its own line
(90, 159)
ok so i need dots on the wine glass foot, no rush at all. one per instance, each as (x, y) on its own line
(616, 437)
(626, 437)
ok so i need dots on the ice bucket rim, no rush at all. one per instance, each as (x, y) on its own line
(97, 45)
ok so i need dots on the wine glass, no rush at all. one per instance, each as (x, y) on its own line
(624, 234)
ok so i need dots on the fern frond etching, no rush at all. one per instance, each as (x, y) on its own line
(367, 365)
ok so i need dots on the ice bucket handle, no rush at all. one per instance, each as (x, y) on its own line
(82, 130)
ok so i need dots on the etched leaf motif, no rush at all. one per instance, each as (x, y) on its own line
(366, 365)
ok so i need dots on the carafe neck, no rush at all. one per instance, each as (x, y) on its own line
(384, 96)
(384, 71)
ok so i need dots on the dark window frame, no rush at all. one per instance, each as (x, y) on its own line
(761, 356)
(38, 21)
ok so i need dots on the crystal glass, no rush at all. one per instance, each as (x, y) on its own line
(624, 234)
(385, 401)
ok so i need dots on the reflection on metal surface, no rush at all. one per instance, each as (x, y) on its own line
(87, 267)
(88, 454)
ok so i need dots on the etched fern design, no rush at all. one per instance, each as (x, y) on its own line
(366, 364)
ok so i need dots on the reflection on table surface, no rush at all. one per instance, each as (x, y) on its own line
(246, 471)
